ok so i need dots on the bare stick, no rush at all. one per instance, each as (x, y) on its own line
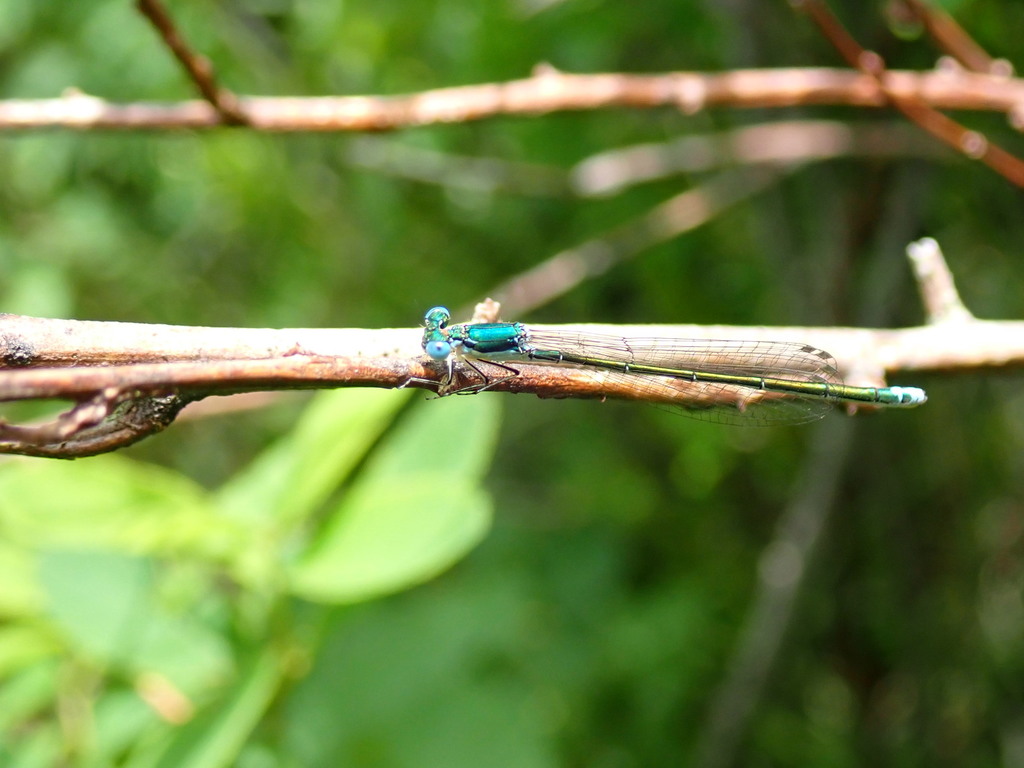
(128, 380)
(782, 142)
(118, 405)
(543, 93)
(198, 67)
(970, 143)
(954, 40)
(941, 300)
(78, 432)
(143, 398)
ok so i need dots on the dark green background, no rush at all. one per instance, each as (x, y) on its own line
(597, 620)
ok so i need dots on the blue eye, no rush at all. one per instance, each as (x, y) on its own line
(437, 317)
(439, 350)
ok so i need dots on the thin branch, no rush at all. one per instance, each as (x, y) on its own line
(545, 92)
(197, 66)
(833, 31)
(49, 358)
(130, 421)
(970, 143)
(30, 342)
(200, 379)
(86, 414)
(783, 142)
(954, 40)
(941, 300)
(120, 404)
(142, 398)
(129, 380)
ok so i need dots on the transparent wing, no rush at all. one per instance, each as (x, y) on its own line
(747, 404)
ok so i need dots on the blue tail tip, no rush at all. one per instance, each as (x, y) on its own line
(910, 396)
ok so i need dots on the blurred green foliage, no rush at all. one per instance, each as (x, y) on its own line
(242, 590)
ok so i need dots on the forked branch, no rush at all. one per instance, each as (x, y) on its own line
(129, 380)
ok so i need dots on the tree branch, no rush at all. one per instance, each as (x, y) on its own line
(144, 397)
(954, 40)
(198, 67)
(104, 423)
(971, 144)
(546, 91)
(128, 380)
(780, 142)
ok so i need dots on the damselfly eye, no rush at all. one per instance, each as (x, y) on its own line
(437, 317)
(438, 350)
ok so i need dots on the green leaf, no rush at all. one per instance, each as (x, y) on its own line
(112, 502)
(293, 477)
(107, 606)
(23, 644)
(216, 737)
(372, 696)
(123, 723)
(20, 595)
(416, 509)
(27, 695)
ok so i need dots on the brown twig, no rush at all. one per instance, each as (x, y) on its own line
(543, 93)
(130, 380)
(783, 142)
(198, 67)
(939, 295)
(28, 342)
(118, 383)
(118, 405)
(84, 415)
(123, 423)
(954, 40)
(832, 30)
(970, 143)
